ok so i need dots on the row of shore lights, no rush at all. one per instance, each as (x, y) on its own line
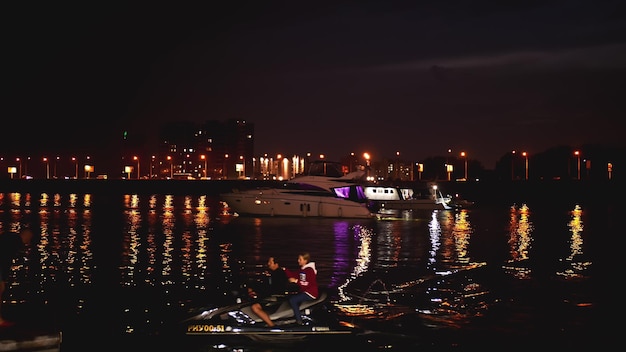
(12, 170)
(449, 168)
(576, 154)
(128, 169)
(17, 169)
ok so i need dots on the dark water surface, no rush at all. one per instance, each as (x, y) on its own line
(120, 270)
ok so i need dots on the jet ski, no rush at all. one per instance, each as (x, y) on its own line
(239, 320)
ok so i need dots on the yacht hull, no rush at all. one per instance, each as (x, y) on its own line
(412, 204)
(270, 202)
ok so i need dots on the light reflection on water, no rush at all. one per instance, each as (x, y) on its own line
(183, 249)
(520, 240)
(575, 265)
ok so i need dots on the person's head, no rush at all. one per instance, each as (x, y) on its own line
(273, 263)
(303, 258)
(27, 235)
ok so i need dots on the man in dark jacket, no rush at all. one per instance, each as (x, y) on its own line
(277, 285)
(11, 245)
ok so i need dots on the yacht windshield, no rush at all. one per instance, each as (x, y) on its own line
(353, 192)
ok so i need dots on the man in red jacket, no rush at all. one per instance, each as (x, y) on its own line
(306, 278)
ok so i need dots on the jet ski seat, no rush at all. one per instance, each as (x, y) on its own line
(284, 309)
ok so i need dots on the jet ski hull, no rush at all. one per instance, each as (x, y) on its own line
(239, 320)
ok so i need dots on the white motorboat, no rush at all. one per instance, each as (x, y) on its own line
(323, 192)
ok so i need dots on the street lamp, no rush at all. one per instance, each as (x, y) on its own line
(87, 168)
(308, 160)
(45, 160)
(224, 171)
(76, 163)
(136, 158)
(525, 155)
(577, 153)
(243, 166)
(56, 162)
(367, 157)
(171, 166)
(19, 175)
(465, 156)
(26, 166)
(396, 167)
(512, 165)
(203, 157)
(322, 156)
(151, 165)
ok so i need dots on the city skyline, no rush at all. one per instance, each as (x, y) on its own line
(333, 79)
(558, 162)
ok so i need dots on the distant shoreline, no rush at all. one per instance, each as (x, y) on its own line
(481, 192)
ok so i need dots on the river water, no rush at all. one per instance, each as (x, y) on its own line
(120, 271)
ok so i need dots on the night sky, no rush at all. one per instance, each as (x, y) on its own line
(379, 76)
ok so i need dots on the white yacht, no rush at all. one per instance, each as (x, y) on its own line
(323, 192)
